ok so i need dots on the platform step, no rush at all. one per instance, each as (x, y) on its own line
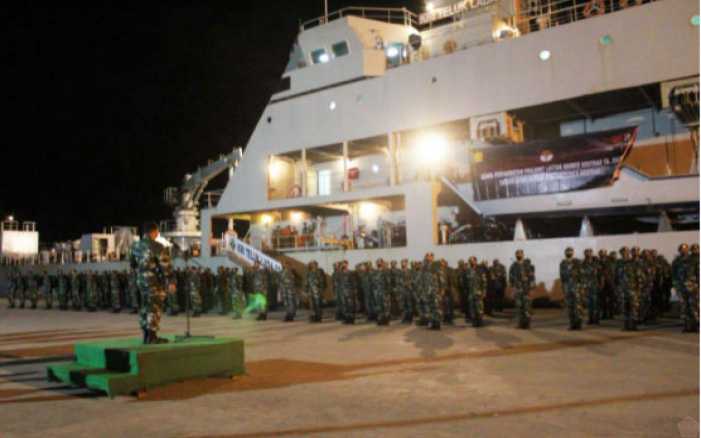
(125, 366)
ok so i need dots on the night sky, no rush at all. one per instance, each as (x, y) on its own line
(108, 105)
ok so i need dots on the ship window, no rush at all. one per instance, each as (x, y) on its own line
(320, 56)
(340, 49)
(324, 179)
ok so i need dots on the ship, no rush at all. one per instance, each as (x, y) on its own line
(470, 128)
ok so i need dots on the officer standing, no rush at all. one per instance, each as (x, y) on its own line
(348, 293)
(692, 287)
(90, 291)
(115, 292)
(260, 286)
(571, 288)
(154, 278)
(313, 287)
(627, 282)
(520, 279)
(287, 289)
(680, 266)
(477, 284)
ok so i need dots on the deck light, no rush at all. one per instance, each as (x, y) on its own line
(605, 40)
(544, 55)
(430, 6)
(431, 149)
(296, 217)
(392, 52)
(266, 219)
(324, 58)
(332, 105)
(695, 20)
(375, 168)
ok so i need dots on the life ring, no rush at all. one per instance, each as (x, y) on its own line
(594, 7)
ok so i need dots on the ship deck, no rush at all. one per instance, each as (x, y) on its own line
(336, 380)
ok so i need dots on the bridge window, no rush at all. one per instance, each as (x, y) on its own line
(320, 56)
(340, 49)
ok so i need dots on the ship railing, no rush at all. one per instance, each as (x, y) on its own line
(545, 14)
(401, 16)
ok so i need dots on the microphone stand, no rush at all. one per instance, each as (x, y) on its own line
(187, 336)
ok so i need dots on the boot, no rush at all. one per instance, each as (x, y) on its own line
(434, 325)
(477, 323)
(407, 319)
(154, 339)
(262, 317)
(350, 320)
(116, 310)
(145, 336)
(382, 321)
(134, 311)
(422, 322)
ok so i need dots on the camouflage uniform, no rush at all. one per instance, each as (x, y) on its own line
(572, 289)
(22, 290)
(589, 281)
(628, 280)
(223, 290)
(13, 287)
(47, 290)
(152, 267)
(115, 292)
(194, 282)
(680, 276)
(365, 284)
(381, 290)
(432, 294)
(395, 274)
(336, 286)
(62, 291)
(313, 287)
(477, 285)
(91, 292)
(32, 290)
(348, 294)
(444, 293)
(76, 300)
(647, 286)
(286, 282)
(236, 295)
(106, 290)
(406, 286)
(520, 279)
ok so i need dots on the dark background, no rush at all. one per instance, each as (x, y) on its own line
(107, 105)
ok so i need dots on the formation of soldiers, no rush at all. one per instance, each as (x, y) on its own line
(633, 283)
(429, 293)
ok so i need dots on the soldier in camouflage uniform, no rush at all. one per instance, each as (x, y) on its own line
(76, 301)
(286, 283)
(680, 267)
(627, 280)
(572, 289)
(520, 280)
(365, 284)
(115, 292)
(22, 289)
(236, 296)
(62, 290)
(260, 286)
(154, 278)
(589, 279)
(314, 284)
(106, 290)
(604, 285)
(12, 290)
(663, 283)
(395, 274)
(47, 290)
(406, 287)
(381, 290)
(647, 289)
(348, 293)
(90, 291)
(444, 291)
(463, 281)
(32, 290)
(692, 288)
(431, 293)
(336, 286)
(477, 285)
(223, 290)
(194, 282)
